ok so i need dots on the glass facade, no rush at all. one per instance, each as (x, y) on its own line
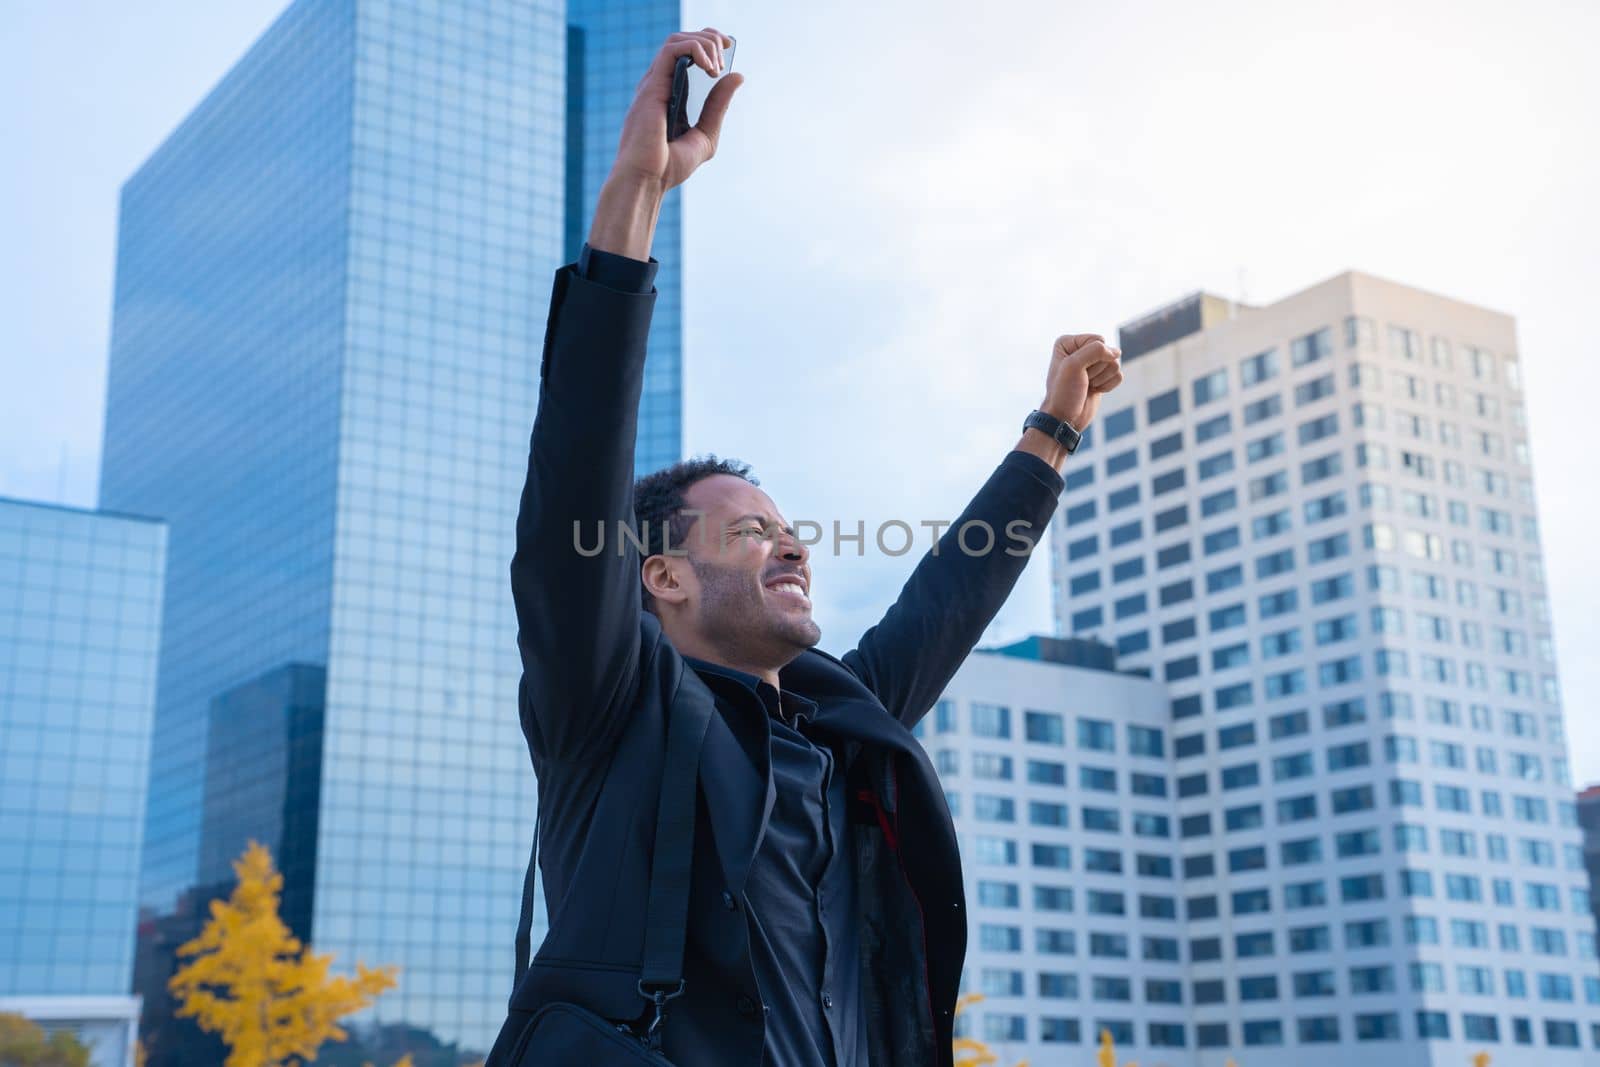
(609, 45)
(80, 610)
(331, 283)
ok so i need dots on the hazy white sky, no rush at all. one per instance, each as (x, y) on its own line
(913, 199)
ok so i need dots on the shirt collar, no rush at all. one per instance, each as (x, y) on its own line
(783, 706)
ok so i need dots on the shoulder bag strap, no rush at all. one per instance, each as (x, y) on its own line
(667, 908)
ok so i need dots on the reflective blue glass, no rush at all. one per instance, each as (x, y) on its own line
(80, 611)
(330, 304)
(609, 45)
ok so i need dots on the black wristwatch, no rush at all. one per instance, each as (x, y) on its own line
(1059, 430)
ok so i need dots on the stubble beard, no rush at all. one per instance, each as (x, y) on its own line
(737, 618)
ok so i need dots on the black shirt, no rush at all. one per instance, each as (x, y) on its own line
(801, 894)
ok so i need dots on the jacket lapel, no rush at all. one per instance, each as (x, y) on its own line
(846, 707)
(733, 774)
(736, 763)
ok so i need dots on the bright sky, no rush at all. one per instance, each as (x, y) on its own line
(914, 198)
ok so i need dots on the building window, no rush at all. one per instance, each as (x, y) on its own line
(995, 851)
(991, 720)
(1162, 447)
(1045, 772)
(991, 766)
(996, 938)
(1313, 390)
(1172, 518)
(1217, 503)
(1050, 942)
(1046, 813)
(1265, 408)
(1209, 387)
(1059, 1031)
(988, 808)
(1052, 857)
(1144, 741)
(1264, 448)
(1258, 368)
(1271, 524)
(1311, 348)
(1121, 535)
(1052, 898)
(1263, 1032)
(1117, 424)
(1098, 735)
(1216, 426)
(1233, 696)
(1360, 332)
(1162, 406)
(1043, 726)
(1211, 466)
(1123, 498)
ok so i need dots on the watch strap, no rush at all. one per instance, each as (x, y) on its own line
(1059, 430)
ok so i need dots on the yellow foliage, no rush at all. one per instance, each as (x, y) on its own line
(1107, 1056)
(969, 1051)
(23, 1043)
(251, 981)
(1480, 1060)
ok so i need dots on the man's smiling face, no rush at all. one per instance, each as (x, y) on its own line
(746, 580)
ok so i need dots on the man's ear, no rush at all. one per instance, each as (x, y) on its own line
(660, 576)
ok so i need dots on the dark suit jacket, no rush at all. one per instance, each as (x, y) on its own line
(600, 680)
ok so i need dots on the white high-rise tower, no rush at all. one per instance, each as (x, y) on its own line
(1314, 521)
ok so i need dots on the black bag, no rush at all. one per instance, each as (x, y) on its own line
(562, 1033)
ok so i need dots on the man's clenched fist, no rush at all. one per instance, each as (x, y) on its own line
(1082, 367)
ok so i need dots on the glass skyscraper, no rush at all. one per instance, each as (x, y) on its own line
(609, 45)
(80, 611)
(330, 299)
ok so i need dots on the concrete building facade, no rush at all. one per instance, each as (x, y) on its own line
(1058, 775)
(1314, 523)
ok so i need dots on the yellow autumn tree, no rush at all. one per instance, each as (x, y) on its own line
(969, 1051)
(24, 1043)
(251, 981)
(1107, 1056)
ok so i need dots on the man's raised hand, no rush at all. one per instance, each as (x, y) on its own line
(647, 164)
(1082, 368)
(644, 154)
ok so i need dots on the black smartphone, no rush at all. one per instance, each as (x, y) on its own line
(690, 87)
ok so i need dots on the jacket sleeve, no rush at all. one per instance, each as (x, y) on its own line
(910, 656)
(577, 609)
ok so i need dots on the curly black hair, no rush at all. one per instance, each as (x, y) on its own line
(658, 503)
